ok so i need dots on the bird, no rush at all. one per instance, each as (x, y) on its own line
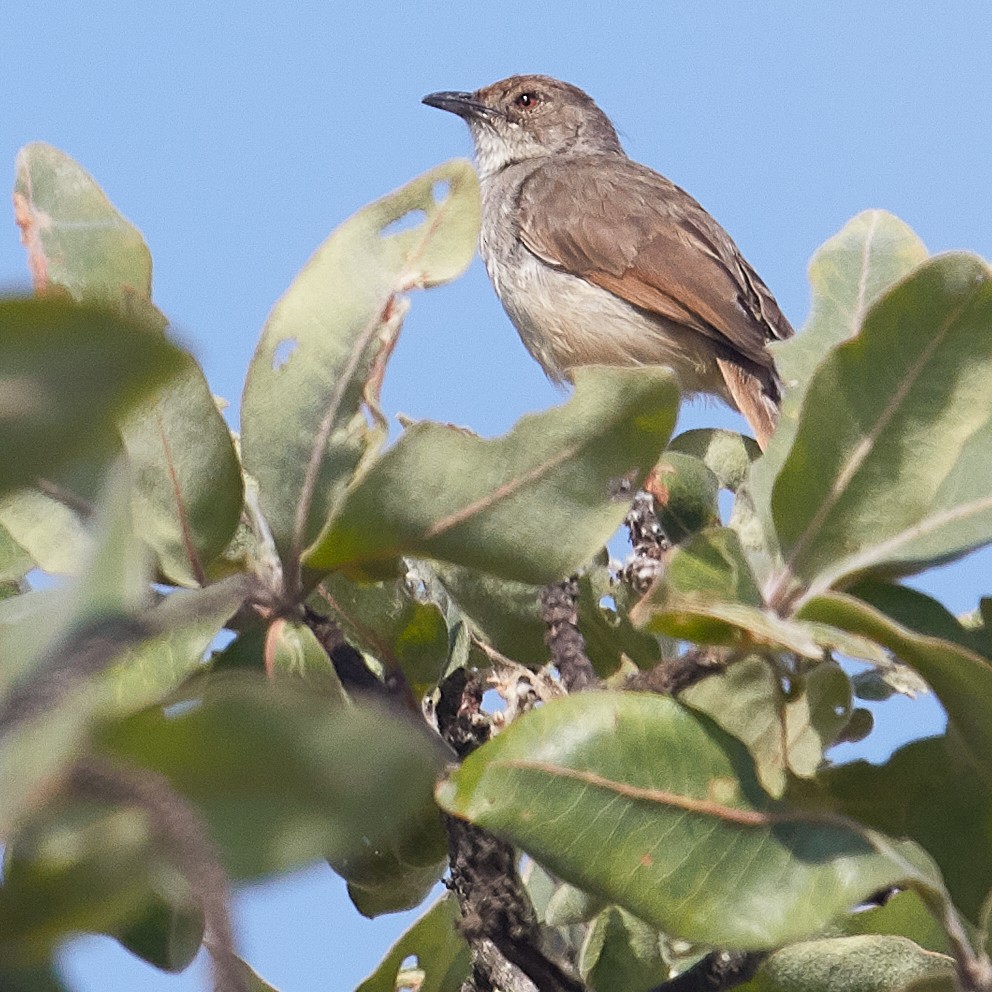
(599, 260)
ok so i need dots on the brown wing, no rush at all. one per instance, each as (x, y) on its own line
(631, 231)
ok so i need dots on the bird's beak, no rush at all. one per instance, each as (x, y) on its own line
(463, 104)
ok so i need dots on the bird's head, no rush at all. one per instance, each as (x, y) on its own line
(529, 117)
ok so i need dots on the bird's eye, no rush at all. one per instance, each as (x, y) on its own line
(526, 100)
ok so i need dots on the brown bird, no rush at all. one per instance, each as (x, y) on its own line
(598, 260)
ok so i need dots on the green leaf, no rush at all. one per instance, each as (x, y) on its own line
(847, 275)
(252, 980)
(783, 733)
(188, 486)
(67, 373)
(92, 651)
(32, 978)
(889, 469)
(913, 609)
(82, 867)
(903, 915)
(848, 964)
(325, 342)
(383, 620)
(533, 505)
(688, 841)
(726, 454)
(926, 791)
(685, 495)
(168, 937)
(961, 679)
(15, 562)
(283, 779)
(568, 905)
(709, 595)
(604, 622)
(621, 954)
(74, 237)
(52, 529)
(443, 960)
(502, 612)
(292, 651)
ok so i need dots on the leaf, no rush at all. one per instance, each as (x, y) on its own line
(848, 964)
(443, 960)
(283, 779)
(915, 610)
(726, 454)
(188, 486)
(533, 505)
(926, 791)
(611, 639)
(15, 562)
(82, 867)
(33, 978)
(504, 613)
(292, 651)
(324, 342)
(253, 981)
(961, 679)
(848, 274)
(67, 372)
(74, 236)
(168, 937)
(188, 492)
(383, 620)
(904, 914)
(91, 651)
(888, 472)
(687, 842)
(783, 733)
(685, 495)
(53, 535)
(621, 954)
(707, 594)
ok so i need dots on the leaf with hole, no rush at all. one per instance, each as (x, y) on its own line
(432, 956)
(322, 350)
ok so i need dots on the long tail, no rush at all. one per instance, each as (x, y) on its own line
(756, 399)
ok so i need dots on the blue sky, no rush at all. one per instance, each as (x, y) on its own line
(237, 135)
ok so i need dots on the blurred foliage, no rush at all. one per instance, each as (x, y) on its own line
(257, 626)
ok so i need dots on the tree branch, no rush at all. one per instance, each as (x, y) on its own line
(718, 971)
(184, 838)
(566, 643)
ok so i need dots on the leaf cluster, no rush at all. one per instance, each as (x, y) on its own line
(234, 668)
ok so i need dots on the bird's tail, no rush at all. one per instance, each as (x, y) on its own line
(756, 398)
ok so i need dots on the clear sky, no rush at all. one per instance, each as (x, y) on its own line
(236, 135)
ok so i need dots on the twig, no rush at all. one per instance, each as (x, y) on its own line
(566, 643)
(647, 541)
(183, 836)
(718, 971)
(496, 912)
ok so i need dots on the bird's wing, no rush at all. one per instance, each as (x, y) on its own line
(631, 231)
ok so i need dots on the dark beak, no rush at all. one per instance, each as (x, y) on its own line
(463, 104)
